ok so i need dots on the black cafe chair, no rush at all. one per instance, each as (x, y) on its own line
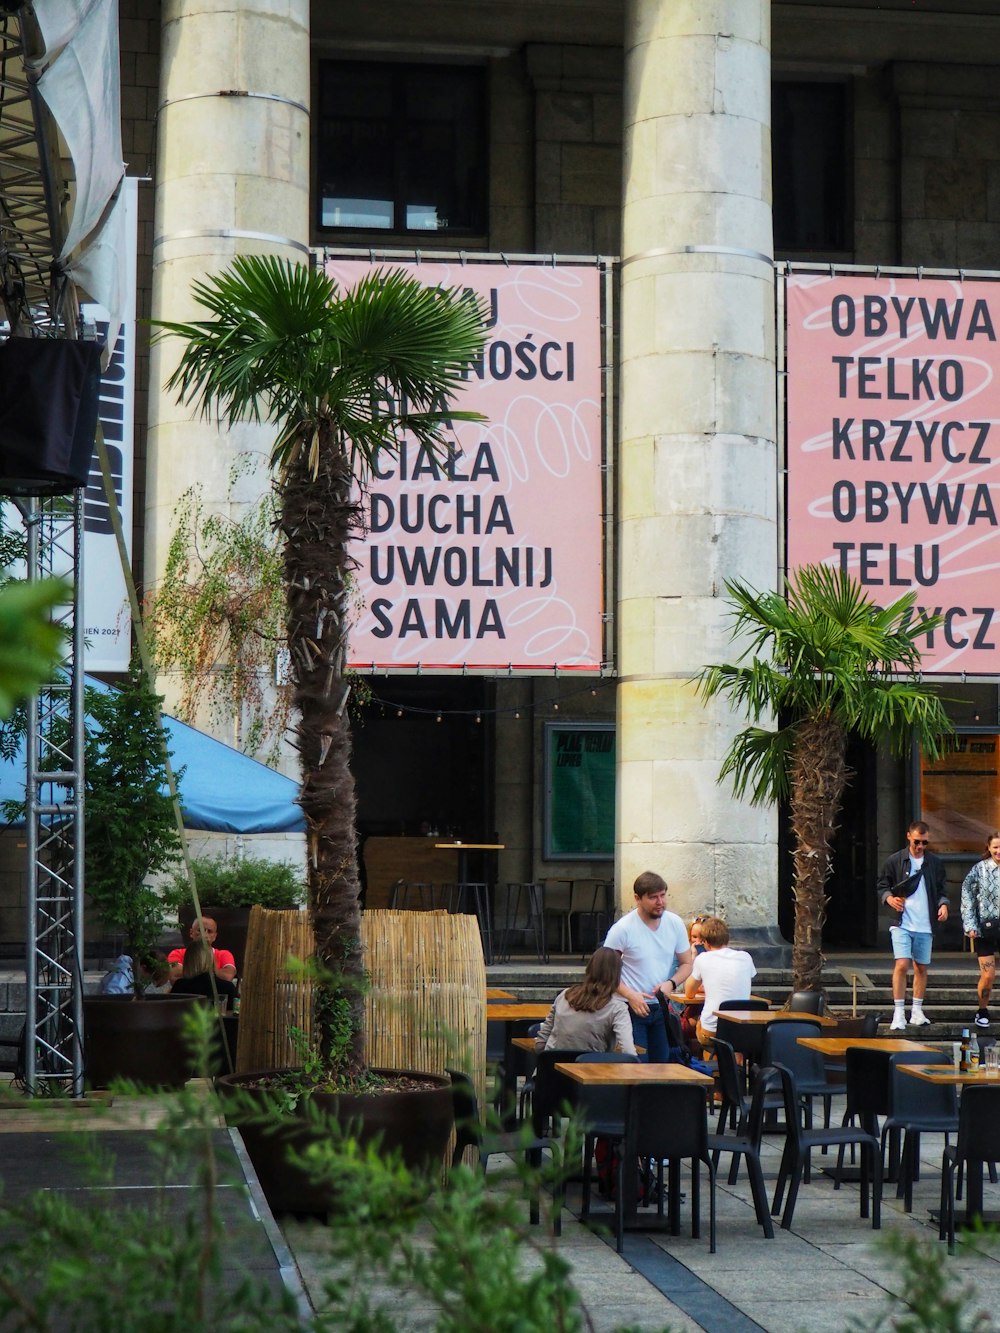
(745, 1142)
(667, 1121)
(601, 1112)
(799, 1141)
(978, 1143)
(469, 1133)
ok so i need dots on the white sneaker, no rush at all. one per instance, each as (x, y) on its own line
(898, 1023)
(918, 1019)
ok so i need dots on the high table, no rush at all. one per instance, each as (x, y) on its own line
(480, 889)
(610, 1074)
(515, 1018)
(950, 1075)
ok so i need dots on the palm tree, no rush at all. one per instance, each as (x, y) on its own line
(340, 376)
(837, 663)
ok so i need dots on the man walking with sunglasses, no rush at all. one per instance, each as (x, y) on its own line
(913, 884)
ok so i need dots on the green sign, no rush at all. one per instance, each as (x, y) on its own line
(579, 791)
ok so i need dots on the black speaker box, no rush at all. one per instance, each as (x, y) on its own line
(48, 414)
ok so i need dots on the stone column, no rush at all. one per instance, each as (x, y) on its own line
(232, 176)
(697, 488)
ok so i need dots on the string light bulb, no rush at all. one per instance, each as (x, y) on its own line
(478, 718)
(438, 717)
(555, 708)
(517, 714)
(399, 712)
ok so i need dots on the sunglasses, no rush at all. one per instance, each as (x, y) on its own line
(920, 842)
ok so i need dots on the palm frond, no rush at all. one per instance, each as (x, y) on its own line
(282, 344)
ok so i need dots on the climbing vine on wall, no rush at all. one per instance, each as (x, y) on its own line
(217, 619)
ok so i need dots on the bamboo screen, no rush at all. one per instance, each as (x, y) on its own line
(274, 997)
(426, 1008)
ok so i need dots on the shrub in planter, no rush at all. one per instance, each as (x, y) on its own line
(227, 888)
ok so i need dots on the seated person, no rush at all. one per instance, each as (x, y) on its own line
(204, 928)
(725, 974)
(153, 976)
(590, 1016)
(197, 975)
(688, 1013)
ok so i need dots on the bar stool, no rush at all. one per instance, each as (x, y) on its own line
(421, 892)
(473, 898)
(509, 902)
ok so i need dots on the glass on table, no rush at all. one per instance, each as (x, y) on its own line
(991, 1061)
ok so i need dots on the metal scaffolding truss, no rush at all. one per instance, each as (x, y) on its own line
(35, 295)
(53, 1045)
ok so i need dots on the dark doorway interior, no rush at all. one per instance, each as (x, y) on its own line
(421, 750)
(851, 913)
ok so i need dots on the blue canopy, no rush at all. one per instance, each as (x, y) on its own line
(222, 791)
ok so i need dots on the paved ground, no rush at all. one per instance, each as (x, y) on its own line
(826, 1275)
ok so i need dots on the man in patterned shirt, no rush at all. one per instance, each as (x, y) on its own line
(981, 920)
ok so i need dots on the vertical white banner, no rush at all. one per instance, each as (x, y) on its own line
(107, 619)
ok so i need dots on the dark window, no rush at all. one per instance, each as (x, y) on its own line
(810, 177)
(402, 148)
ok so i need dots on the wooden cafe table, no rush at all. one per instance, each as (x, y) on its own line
(744, 1028)
(630, 1075)
(836, 1047)
(951, 1076)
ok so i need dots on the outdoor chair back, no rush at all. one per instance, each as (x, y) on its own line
(667, 1121)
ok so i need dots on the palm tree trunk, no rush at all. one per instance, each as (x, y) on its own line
(819, 775)
(318, 516)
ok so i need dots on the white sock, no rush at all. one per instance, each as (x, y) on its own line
(918, 1005)
(899, 1005)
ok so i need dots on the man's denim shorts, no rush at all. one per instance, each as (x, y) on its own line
(915, 944)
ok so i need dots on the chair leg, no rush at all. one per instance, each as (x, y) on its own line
(711, 1206)
(620, 1205)
(783, 1171)
(589, 1146)
(794, 1176)
(695, 1199)
(759, 1192)
(876, 1189)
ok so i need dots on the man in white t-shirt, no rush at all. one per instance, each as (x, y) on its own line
(724, 973)
(656, 956)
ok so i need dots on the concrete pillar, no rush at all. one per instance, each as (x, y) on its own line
(232, 176)
(697, 488)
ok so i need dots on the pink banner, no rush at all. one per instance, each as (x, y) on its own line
(894, 448)
(492, 557)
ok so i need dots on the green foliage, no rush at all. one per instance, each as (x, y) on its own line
(130, 830)
(239, 881)
(31, 646)
(217, 617)
(934, 1299)
(156, 1266)
(822, 650)
(285, 345)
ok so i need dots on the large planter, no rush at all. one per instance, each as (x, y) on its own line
(416, 1122)
(141, 1040)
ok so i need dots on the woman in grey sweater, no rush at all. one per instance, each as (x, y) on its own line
(590, 1016)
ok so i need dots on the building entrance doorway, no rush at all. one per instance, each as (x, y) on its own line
(423, 772)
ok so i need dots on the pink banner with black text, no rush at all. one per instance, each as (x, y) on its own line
(490, 556)
(893, 447)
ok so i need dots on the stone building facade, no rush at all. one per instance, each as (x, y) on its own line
(642, 130)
